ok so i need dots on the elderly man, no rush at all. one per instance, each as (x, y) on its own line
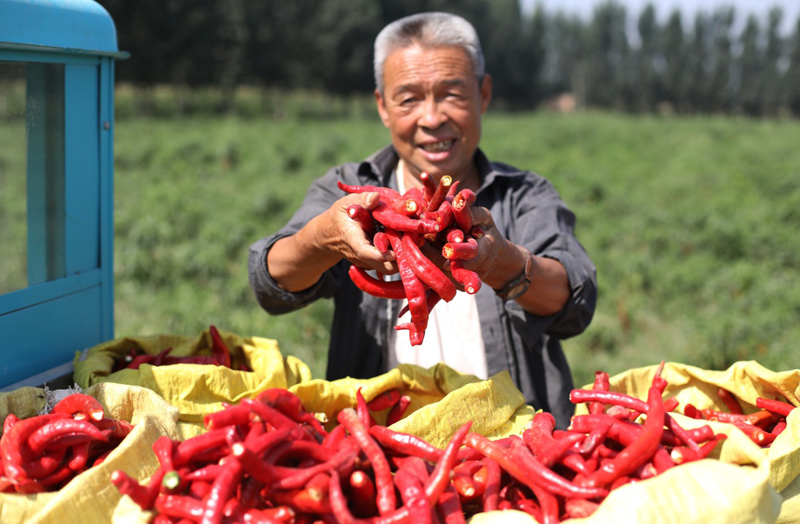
(540, 286)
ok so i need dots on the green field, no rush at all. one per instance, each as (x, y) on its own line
(692, 223)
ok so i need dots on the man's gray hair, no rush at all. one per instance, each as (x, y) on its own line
(428, 30)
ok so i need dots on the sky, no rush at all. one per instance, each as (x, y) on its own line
(743, 8)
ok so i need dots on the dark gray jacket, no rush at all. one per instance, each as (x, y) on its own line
(527, 210)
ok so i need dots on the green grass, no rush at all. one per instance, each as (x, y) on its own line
(692, 223)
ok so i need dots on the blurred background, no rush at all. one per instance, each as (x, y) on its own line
(671, 130)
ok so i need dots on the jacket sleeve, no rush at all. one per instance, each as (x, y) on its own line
(322, 193)
(539, 220)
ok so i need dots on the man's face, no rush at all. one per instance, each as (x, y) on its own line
(432, 104)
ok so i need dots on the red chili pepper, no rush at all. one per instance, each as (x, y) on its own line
(117, 429)
(45, 464)
(440, 193)
(80, 405)
(428, 185)
(290, 405)
(426, 270)
(469, 279)
(180, 507)
(461, 208)
(450, 506)
(222, 489)
(415, 291)
(386, 499)
(639, 451)
(466, 250)
(399, 410)
(219, 349)
(384, 191)
(364, 218)
(53, 430)
(384, 400)
(143, 495)
(9, 421)
(377, 288)
(601, 383)
(361, 490)
(405, 444)
(775, 406)
(682, 454)
(381, 242)
(730, 401)
(412, 493)
(384, 214)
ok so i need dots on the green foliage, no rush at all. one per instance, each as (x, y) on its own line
(691, 222)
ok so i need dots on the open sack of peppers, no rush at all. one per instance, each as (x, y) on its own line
(269, 459)
(437, 216)
(56, 459)
(193, 373)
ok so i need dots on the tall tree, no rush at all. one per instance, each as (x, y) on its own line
(750, 91)
(608, 53)
(773, 55)
(675, 62)
(564, 69)
(647, 79)
(720, 88)
(792, 78)
(696, 81)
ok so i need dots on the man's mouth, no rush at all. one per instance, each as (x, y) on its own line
(438, 147)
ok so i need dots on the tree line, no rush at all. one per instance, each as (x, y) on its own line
(711, 62)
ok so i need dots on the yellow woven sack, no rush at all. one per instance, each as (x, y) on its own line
(442, 400)
(194, 389)
(91, 497)
(742, 481)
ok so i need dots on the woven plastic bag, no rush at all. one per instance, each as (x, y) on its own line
(442, 400)
(741, 482)
(91, 497)
(194, 389)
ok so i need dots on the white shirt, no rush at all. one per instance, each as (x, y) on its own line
(453, 335)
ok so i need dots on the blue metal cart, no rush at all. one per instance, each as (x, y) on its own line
(56, 185)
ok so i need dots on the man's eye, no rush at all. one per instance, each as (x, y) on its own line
(408, 100)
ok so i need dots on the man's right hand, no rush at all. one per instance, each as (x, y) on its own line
(297, 262)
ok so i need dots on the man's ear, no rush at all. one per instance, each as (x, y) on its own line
(384, 114)
(486, 92)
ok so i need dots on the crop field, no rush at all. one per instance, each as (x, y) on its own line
(692, 223)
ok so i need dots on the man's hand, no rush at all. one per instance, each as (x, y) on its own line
(297, 262)
(500, 261)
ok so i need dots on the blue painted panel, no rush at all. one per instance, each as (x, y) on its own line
(107, 195)
(42, 337)
(82, 167)
(25, 298)
(68, 24)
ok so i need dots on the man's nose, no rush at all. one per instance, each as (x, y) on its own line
(432, 114)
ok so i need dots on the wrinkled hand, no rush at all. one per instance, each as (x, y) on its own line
(342, 235)
(497, 259)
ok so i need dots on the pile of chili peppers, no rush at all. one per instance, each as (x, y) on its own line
(269, 460)
(220, 356)
(439, 215)
(44, 452)
(761, 426)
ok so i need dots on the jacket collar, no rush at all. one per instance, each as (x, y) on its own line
(380, 167)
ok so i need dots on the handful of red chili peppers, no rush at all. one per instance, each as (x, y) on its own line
(44, 452)
(437, 214)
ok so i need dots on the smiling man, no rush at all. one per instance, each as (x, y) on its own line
(540, 286)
